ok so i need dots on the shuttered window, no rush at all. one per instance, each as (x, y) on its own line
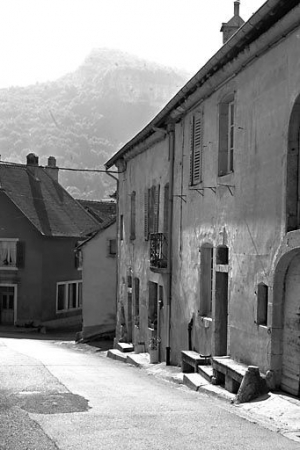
(151, 210)
(226, 136)
(196, 148)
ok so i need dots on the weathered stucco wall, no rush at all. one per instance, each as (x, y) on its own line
(99, 285)
(143, 171)
(251, 222)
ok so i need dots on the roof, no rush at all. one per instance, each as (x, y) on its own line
(106, 224)
(264, 18)
(45, 203)
(100, 210)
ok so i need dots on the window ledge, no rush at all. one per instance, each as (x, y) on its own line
(226, 177)
(8, 268)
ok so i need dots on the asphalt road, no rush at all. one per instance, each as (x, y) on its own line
(58, 395)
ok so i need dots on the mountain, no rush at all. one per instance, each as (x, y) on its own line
(84, 117)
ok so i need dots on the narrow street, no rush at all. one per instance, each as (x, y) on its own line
(58, 395)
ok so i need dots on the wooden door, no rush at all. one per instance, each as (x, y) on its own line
(290, 379)
(7, 297)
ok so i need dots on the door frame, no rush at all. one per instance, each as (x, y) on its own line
(15, 286)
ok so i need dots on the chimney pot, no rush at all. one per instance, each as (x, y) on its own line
(32, 159)
(51, 161)
(237, 8)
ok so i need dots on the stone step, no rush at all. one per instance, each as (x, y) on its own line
(206, 372)
(117, 355)
(194, 381)
(124, 347)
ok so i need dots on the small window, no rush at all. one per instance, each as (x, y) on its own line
(78, 259)
(226, 136)
(196, 148)
(112, 247)
(68, 295)
(262, 304)
(222, 255)
(206, 280)
(8, 253)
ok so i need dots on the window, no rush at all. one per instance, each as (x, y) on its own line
(132, 215)
(151, 211)
(112, 247)
(166, 208)
(226, 136)
(11, 254)
(222, 255)
(68, 295)
(206, 280)
(196, 147)
(262, 304)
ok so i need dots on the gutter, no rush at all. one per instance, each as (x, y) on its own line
(117, 240)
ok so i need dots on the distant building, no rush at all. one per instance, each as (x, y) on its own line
(40, 226)
(99, 278)
(209, 215)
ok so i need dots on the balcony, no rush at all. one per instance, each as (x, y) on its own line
(158, 251)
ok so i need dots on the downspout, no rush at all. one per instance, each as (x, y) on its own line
(171, 133)
(117, 240)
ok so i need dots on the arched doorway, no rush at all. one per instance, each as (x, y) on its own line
(290, 375)
(293, 170)
(285, 346)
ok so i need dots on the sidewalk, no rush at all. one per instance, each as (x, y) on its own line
(276, 410)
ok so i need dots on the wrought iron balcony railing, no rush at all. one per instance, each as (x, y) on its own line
(158, 250)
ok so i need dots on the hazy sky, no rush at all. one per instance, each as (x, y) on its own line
(44, 39)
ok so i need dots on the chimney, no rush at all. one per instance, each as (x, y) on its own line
(32, 162)
(229, 28)
(237, 8)
(52, 168)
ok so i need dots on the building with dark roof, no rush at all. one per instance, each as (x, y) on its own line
(40, 225)
(209, 211)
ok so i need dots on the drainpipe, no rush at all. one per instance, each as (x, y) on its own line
(117, 240)
(171, 133)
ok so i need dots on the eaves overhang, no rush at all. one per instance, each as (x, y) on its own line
(261, 21)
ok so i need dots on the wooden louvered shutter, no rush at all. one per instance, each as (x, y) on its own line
(156, 208)
(166, 209)
(146, 214)
(196, 149)
(20, 254)
(197, 156)
(132, 216)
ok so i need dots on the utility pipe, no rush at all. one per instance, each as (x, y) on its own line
(117, 240)
(171, 134)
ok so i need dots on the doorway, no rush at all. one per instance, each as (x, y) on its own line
(290, 377)
(7, 304)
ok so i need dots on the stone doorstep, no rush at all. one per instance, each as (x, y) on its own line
(124, 347)
(190, 361)
(117, 355)
(229, 367)
(206, 372)
(194, 381)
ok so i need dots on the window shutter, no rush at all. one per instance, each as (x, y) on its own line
(166, 208)
(132, 216)
(197, 153)
(146, 214)
(156, 208)
(20, 254)
(196, 146)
